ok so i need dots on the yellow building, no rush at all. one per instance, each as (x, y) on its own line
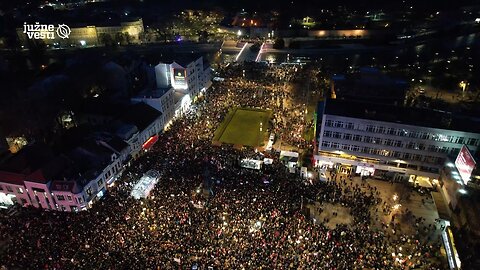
(92, 35)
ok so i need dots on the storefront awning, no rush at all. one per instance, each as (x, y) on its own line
(150, 142)
(424, 182)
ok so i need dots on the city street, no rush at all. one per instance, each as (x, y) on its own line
(246, 135)
(251, 219)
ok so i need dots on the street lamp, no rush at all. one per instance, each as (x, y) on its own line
(463, 85)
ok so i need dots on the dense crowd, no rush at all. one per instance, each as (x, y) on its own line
(249, 219)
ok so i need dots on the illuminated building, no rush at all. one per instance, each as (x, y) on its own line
(87, 165)
(93, 35)
(189, 75)
(177, 84)
(387, 141)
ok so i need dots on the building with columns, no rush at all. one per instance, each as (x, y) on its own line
(93, 34)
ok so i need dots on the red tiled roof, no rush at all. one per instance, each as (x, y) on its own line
(12, 178)
(37, 177)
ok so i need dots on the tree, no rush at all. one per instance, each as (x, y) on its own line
(120, 38)
(128, 38)
(106, 39)
(203, 36)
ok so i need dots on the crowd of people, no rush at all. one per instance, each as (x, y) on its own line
(208, 212)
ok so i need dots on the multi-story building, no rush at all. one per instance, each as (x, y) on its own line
(87, 165)
(92, 166)
(176, 85)
(24, 177)
(188, 75)
(149, 123)
(387, 140)
(88, 35)
(162, 99)
(69, 182)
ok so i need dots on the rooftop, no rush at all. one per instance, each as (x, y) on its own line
(370, 84)
(35, 163)
(154, 93)
(177, 96)
(181, 59)
(29, 159)
(141, 115)
(87, 162)
(11, 178)
(402, 115)
(67, 186)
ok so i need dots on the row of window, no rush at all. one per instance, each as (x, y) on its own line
(339, 124)
(10, 189)
(389, 142)
(73, 208)
(24, 201)
(167, 102)
(68, 197)
(62, 198)
(383, 152)
(406, 133)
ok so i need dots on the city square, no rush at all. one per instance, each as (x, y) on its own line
(206, 135)
(242, 222)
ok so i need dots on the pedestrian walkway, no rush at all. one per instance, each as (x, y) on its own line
(329, 214)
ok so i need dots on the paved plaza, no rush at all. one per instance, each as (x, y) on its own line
(251, 219)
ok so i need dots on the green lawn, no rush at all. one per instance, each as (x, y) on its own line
(242, 126)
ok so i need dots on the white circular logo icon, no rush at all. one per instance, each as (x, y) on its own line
(63, 31)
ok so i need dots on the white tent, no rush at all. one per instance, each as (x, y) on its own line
(145, 185)
(251, 163)
(290, 159)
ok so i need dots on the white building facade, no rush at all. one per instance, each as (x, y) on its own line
(409, 150)
(177, 86)
(162, 100)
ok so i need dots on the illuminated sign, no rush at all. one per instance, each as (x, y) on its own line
(179, 78)
(179, 75)
(465, 164)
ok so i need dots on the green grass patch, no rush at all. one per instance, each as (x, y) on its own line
(242, 126)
